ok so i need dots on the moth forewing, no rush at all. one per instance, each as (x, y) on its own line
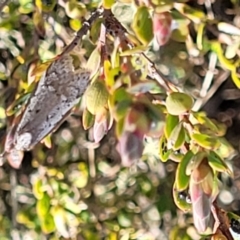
(58, 90)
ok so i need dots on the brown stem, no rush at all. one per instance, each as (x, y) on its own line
(83, 30)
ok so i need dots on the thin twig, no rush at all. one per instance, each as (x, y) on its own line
(207, 80)
(83, 31)
(112, 24)
(223, 77)
(208, 6)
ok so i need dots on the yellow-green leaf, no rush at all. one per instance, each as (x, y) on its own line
(43, 206)
(171, 123)
(181, 199)
(107, 4)
(178, 103)
(47, 224)
(217, 163)
(96, 97)
(182, 179)
(177, 137)
(206, 141)
(164, 152)
(94, 60)
(87, 119)
(37, 189)
(142, 25)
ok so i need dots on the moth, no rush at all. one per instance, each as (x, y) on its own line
(56, 93)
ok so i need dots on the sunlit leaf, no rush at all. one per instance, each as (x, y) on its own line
(24, 216)
(205, 141)
(75, 9)
(182, 179)
(47, 224)
(110, 73)
(75, 24)
(96, 97)
(87, 119)
(181, 199)
(43, 206)
(38, 189)
(46, 5)
(17, 104)
(132, 51)
(217, 163)
(177, 137)
(108, 3)
(142, 25)
(171, 123)
(178, 103)
(59, 217)
(94, 60)
(164, 152)
(225, 150)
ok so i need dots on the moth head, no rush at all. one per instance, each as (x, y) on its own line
(23, 141)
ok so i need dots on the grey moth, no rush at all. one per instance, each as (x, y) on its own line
(56, 93)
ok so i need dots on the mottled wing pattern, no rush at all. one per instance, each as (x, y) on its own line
(58, 90)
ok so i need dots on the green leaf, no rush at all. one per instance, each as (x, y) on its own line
(26, 217)
(110, 73)
(181, 200)
(182, 179)
(75, 9)
(107, 4)
(122, 109)
(209, 126)
(17, 104)
(205, 141)
(178, 103)
(46, 5)
(164, 153)
(171, 123)
(96, 97)
(43, 206)
(47, 224)
(59, 216)
(225, 150)
(94, 60)
(196, 160)
(177, 137)
(142, 25)
(95, 30)
(75, 24)
(87, 119)
(176, 157)
(133, 51)
(37, 189)
(124, 219)
(193, 14)
(217, 163)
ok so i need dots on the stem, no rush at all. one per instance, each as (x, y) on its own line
(83, 31)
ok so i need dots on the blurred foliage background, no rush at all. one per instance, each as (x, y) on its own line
(76, 188)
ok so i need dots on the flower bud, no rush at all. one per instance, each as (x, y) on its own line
(203, 192)
(162, 27)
